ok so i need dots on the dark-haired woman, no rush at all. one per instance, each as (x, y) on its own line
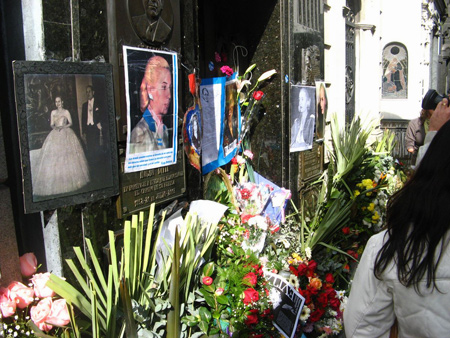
(404, 273)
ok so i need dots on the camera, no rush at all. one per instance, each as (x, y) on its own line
(431, 99)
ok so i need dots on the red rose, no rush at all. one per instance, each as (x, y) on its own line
(252, 318)
(302, 269)
(322, 299)
(258, 95)
(234, 160)
(307, 295)
(346, 268)
(335, 303)
(258, 269)
(207, 280)
(346, 230)
(329, 278)
(316, 315)
(250, 295)
(245, 193)
(250, 279)
(312, 265)
(293, 270)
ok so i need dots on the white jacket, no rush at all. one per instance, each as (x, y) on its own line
(374, 304)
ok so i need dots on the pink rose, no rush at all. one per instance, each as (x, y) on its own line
(250, 296)
(59, 315)
(249, 154)
(7, 306)
(28, 264)
(207, 280)
(227, 70)
(40, 312)
(219, 291)
(39, 281)
(22, 295)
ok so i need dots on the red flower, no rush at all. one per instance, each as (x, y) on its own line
(316, 315)
(302, 269)
(346, 230)
(246, 217)
(258, 95)
(256, 335)
(353, 254)
(252, 318)
(234, 160)
(312, 265)
(335, 303)
(250, 295)
(207, 280)
(322, 299)
(346, 268)
(245, 193)
(258, 269)
(307, 295)
(250, 279)
(293, 270)
(329, 278)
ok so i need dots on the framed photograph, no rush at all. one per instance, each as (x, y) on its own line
(303, 117)
(322, 109)
(67, 133)
(151, 89)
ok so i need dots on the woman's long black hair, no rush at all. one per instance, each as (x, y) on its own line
(418, 218)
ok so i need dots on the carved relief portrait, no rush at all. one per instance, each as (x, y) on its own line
(152, 20)
(311, 64)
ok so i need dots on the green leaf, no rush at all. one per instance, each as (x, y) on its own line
(205, 314)
(222, 299)
(208, 269)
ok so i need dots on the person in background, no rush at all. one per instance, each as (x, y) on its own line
(404, 272)
(150, 133)
(416, 131)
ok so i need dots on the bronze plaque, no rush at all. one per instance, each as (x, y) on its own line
(310, 163)
(140, 189)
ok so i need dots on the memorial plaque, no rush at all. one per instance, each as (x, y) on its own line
(310, 164)
(139, 190)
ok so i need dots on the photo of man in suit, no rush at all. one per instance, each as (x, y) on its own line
(92, 120)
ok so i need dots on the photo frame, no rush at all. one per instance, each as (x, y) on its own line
(68, 143)
(151, 90)
(303, 117)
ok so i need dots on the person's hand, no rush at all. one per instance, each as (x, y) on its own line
(440, 116)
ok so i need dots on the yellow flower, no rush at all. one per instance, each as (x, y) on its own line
(368, 183)
(356, 193)
(375, 217)
(371, 207)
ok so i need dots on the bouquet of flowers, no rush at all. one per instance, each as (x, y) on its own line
(322, 311)
(27, 310)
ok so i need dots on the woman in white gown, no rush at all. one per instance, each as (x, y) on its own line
(62, 167)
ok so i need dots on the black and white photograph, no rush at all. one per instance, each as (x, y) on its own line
(303, 117)
(287, 304)
(151, 91)
(67, 133)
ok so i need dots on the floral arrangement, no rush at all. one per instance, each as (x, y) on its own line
(323, 304)
(27, 310)
(233, 297)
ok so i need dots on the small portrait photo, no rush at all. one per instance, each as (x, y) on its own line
(322, 108)
(303, 117)
(194, 130)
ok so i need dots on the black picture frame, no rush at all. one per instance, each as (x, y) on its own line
(59, 168)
